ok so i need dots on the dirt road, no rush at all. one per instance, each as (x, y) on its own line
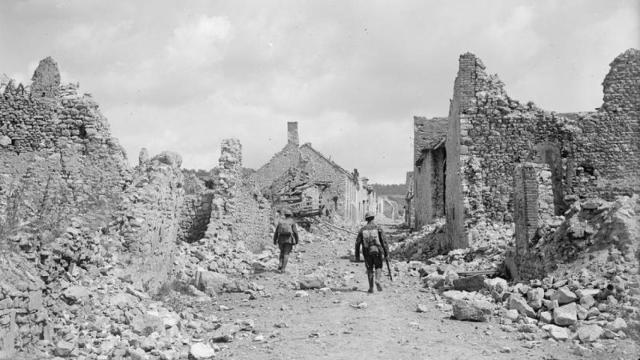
(315, 324)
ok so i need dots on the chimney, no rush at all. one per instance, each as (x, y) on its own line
(292, 133)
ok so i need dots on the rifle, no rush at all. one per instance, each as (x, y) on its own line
(386, 259)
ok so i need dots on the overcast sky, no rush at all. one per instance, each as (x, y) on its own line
(183, 75)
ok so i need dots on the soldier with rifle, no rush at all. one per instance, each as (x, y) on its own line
(374, 249)
(285, 236)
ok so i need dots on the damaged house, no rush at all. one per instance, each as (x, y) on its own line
(466, 164)
(341, 192)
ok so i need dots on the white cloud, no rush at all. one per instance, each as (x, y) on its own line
(199, 42)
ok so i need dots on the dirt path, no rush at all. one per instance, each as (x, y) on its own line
(325, 325)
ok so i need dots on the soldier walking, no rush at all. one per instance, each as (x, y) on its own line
(286, 236)
(374, 250)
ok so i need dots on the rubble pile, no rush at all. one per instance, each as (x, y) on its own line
(485, 237)
(591, 289)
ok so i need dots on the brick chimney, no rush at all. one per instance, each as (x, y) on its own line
(292, 133)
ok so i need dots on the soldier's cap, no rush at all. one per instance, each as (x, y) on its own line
(287, 212)
(369, 215)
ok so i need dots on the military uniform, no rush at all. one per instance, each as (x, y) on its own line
(286, 235)
(373, 254)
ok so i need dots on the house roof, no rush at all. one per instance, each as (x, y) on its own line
(331, 162)
(429, 133)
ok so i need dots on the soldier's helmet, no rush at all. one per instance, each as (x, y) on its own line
(287, 212)
(369, 215)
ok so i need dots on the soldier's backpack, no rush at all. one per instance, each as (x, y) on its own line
(371, 240)
(285, 229)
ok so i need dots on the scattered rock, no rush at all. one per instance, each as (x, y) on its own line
(557, 332)
(589, 333)
(565, 315)
(564, 296)
(546, 317)
(210, 282)
(518, 303)
(476, 310)
(617, 325)
(313, 281)
(421, 308)
(200, 351)
(535, 297)
(76, 294)
(64, 348)
(471, 283)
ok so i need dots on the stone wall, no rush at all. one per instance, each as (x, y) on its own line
(57, 157)
(607, 160)
(286, 158)
(588, 154)
(149, 220)
(488, 133)
(239, 212)
(196, 208)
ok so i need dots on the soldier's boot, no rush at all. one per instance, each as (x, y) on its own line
(285, 260)
(378, 278)
(370, 277)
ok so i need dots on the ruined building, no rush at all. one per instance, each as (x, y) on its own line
(488, 133)
(347, 194)
(70, 203)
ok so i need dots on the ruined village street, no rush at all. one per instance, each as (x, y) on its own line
(288, 323)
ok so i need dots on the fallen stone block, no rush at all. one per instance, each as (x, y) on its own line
(535, 297)
(200, 351)
(589, 333)
(313, 281)
(76, 294)
(564, 296)
(210, 282)
(557, 332)
(565, 315)
(471, 283)
(518, 303)
(475, 310)
(64, 348)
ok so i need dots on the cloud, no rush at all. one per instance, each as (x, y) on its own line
(183, 76)
(199, 42)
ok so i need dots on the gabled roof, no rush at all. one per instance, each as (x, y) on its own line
(331, 162)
